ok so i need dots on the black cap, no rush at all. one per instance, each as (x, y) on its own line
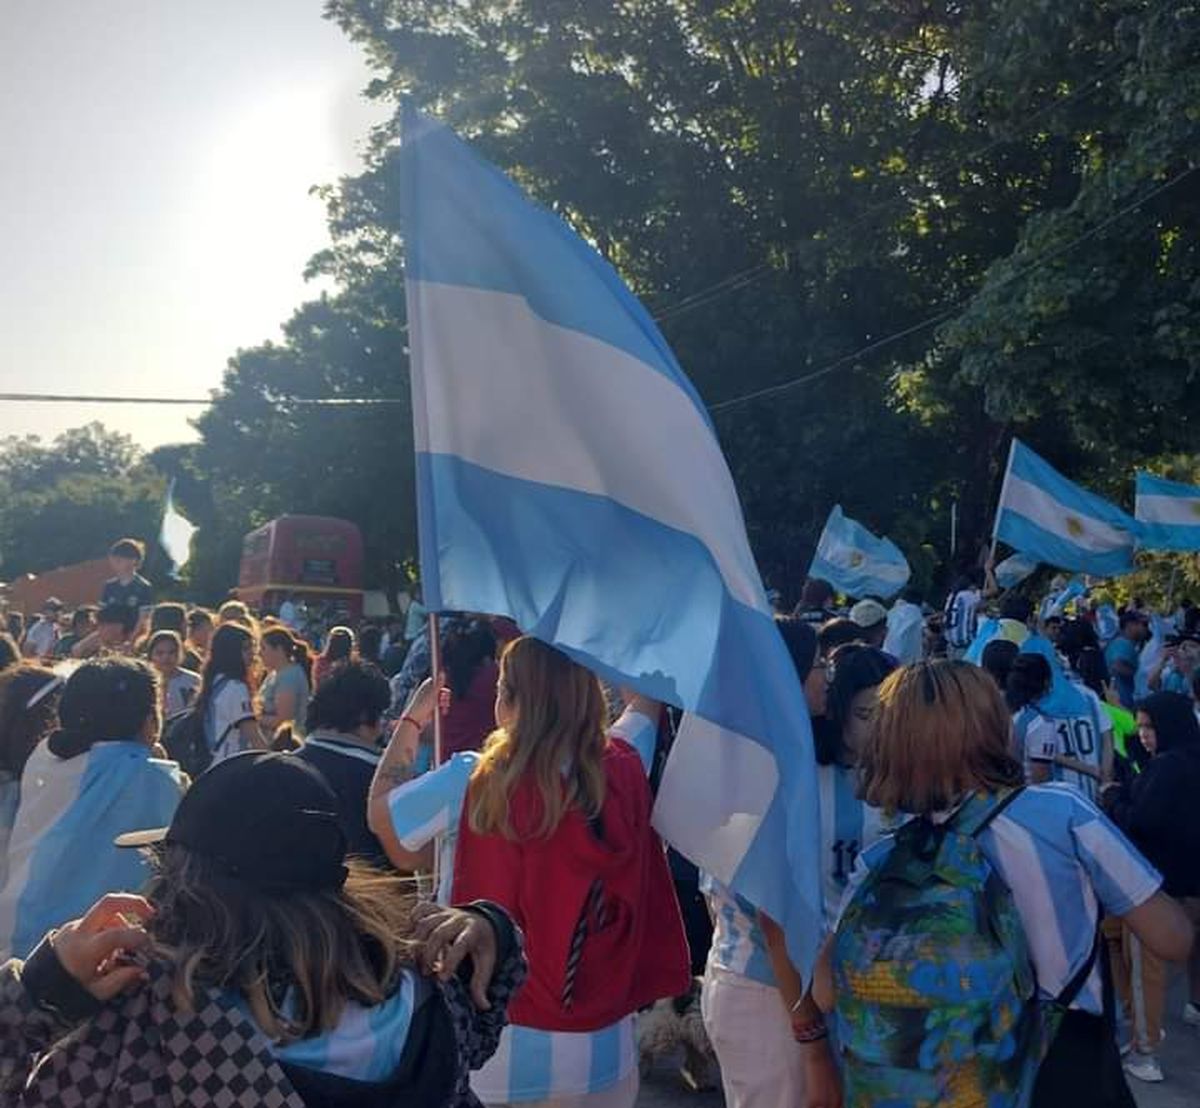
(267, 819)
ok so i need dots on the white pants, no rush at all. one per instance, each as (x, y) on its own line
(752, 1037)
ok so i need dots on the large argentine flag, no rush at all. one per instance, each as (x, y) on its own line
(61, 855)
(1049, 518)
(856, 562)
(568, 476)
(1168, 512)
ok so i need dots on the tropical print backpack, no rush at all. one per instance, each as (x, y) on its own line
(935, 987)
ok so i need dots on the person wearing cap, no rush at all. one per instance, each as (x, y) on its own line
(42, 636)
(870, 617)
(262, 968)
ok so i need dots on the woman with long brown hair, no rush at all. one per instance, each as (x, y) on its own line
(285, 692)
(556, 827)
(226, 696)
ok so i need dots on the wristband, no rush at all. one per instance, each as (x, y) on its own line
(409, 719)
(811, 1031)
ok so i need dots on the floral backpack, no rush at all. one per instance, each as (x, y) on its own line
(935, 986)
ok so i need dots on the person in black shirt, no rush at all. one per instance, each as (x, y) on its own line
(344, 721)
(128, 588)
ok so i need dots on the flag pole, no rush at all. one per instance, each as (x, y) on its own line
(435, 671)
(1012, 450)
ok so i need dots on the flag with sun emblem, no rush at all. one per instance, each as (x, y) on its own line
(1053, 520)
(856, 562)
(1169, 513)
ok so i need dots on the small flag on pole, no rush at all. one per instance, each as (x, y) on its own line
(176, 534)
(856, 562)
(1169, 513)
(1049, 518)
(1013, 570)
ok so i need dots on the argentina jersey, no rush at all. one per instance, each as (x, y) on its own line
(848, 827)
(738, 944)
(1045, 737)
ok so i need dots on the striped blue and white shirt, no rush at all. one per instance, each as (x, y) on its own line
(1040, 737)
(1064, 860)
(739, 945)
(848, 826)
(529, 1064)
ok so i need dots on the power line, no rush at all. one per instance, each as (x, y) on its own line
(940, 317)
(193, 401)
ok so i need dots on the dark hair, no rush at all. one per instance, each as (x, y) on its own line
(339, 646)
(998, 658)
(126, 616)
(169, 617)
(1076, 636)
(226, 658)
(128, 548)
(1092, 668)
(801, 641)
(817, 593)
(970, 578)
(10, 653)
(465, 648)
(1015, 605)
(837, 632)
(355, 695)
(16, 624)
(1029, 680)
(1129, 616)
(853, 668)
(370, 639)
(295, 648)
(82, 617)
(164, 636)
(105, 699)
(23, 726)
(1174, 719)
(199, 617)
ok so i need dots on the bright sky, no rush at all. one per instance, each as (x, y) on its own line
(155, 162)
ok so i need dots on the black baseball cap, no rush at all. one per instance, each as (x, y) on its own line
(270, 820)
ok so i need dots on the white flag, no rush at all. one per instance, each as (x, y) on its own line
(177, 532)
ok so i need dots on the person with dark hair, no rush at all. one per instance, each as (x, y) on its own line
(816, 602)
(227, 693)
(115, 625)
(28, 712)
(370, 644)
(1157, 809)
(200, 627)
(169, 616)
(83, 623)
(960, 618)
(997, 660)
(344, 724)
(178, 686)
(1123, 654)
(837, 632)
(855, 672)
(753, 995)
(1016, 611)
(285, 692)
(471, 671)
(10, 654)
(340, 649)
(92, 779)
(41, 640)
(127, 588)
(262, 968)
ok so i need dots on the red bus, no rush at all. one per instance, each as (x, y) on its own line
(316, 559)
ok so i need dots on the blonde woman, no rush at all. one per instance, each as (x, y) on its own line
(556, 828)
(261, 969)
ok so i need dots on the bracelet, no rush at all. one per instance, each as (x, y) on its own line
(812, 1032)
(409, 719)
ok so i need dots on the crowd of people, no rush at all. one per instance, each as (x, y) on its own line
(243, 864)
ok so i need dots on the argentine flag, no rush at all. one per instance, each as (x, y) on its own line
(1014, 569)
(61, 856)
(857, 563)
(568, 476)
(1169, 513)
(1049, 518)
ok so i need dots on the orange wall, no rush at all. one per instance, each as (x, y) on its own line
(74, 585)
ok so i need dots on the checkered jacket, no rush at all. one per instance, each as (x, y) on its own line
(142, 1051)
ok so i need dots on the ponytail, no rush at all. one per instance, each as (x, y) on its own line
(295, 649)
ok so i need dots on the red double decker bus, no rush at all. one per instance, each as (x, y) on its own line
(316, 559)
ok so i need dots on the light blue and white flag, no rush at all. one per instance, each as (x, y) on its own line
(1169, 513)
(61, 856)
(1052, 519)
(1055, 604)
(1014, 569)
(568, 476)
(856, 562)
(176, 534)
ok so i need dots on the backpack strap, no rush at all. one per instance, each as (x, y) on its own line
(1074, 987)
(976, 814)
